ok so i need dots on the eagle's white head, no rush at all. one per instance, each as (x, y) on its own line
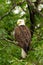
(20, 22)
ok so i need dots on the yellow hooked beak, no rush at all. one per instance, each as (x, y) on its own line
(18, 22)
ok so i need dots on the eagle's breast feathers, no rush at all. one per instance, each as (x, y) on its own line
(23, 36)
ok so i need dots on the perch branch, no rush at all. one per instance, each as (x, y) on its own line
(13, 42)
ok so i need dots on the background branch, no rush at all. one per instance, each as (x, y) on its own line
(34, 7)
(33, 10)
(37, 3)
(14, 5)
(32, 17)
(7, 13)
(20, 3)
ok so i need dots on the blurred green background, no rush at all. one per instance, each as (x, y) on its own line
(10, 53)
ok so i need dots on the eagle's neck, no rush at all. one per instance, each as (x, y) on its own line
(22, 23)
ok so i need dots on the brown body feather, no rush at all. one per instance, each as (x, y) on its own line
(23, 36)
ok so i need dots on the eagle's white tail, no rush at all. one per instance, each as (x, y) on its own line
(23, 54)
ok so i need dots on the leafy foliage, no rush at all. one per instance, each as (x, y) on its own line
(9, 53)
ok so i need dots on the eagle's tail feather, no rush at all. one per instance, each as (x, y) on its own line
(23, 54)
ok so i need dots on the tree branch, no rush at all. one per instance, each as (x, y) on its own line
(37, 3)
(20, 3)
(14, 5)
(34, 8)
(32, 17)
(6, 14)
(13, 42)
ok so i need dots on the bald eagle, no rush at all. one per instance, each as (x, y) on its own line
(23, 37)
